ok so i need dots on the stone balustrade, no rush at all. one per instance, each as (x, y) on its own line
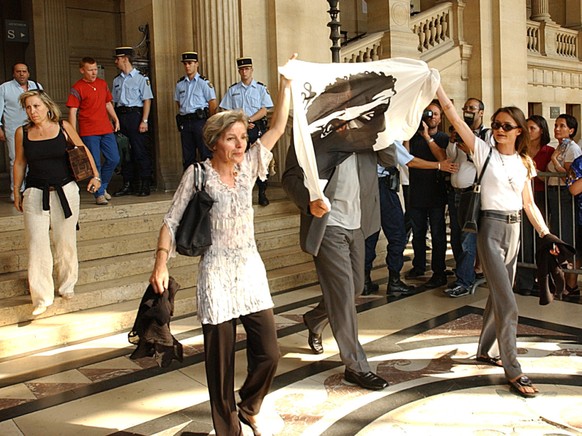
(433, 27)
(366, 49)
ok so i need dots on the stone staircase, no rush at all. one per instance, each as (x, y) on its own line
(116, 246)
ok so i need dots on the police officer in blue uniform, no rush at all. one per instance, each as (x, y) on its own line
(196, 100)
(254, 99)
(132, 96)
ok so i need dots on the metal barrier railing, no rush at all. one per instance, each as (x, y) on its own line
(558, 207)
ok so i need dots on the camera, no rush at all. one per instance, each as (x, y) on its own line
(427, 114)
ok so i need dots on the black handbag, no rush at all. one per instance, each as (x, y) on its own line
(194, 235)
(470, 203)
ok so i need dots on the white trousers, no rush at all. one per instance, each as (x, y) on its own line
(38, 226)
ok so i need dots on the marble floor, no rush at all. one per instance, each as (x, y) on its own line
(424, 344)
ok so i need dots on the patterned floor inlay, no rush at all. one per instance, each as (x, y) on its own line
(434, 389)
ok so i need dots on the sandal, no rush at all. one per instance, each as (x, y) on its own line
(520, 383)
(495, 361)
(249, 420)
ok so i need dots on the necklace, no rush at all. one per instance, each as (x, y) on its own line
(91, 86)
(509, 177)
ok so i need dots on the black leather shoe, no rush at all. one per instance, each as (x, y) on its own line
(370, 287)
(366, 380)
(436, 281)
(397, 285)
(263, 200)
(145, 190)
(413, 273)
(314, 340)
(126, 189)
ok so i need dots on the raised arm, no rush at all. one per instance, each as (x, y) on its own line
(279, 120)
(461, 127)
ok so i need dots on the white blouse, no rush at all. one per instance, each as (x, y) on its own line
(504, 178)
(232, 280)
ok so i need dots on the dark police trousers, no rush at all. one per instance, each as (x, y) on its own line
(140, 166)
(193, 147)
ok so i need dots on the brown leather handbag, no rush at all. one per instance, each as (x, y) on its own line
(78, 159)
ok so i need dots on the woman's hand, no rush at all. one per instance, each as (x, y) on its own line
(18, 200)
(160, 276)
(318, 208)
(94, 185)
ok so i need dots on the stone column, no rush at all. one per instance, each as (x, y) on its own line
(170, 35)
(217, 40)
(540, 11)
(50, 47)
(393, 18)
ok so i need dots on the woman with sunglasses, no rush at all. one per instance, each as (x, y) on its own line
(506, 189)
(560, 203)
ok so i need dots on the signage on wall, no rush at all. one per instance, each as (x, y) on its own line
(16, 31)
(554, 112)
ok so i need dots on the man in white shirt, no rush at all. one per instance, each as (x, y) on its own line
(12, 116)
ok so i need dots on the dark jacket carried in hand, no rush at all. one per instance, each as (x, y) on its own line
(151, 330)
(550, 267)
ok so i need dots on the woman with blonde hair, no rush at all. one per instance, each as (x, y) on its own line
(506, 189)
(232, 280)
(51, 199)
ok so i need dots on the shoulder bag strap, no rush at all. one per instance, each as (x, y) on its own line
(67, 135)
(478, 180)
(199, 176)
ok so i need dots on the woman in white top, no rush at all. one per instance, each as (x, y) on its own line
(506, 189)
(232, 280)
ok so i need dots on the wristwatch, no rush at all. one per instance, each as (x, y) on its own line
(144, 121)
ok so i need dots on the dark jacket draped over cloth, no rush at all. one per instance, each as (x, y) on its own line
(151, 330)
(551, 267)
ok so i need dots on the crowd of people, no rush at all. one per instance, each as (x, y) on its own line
(233, 142)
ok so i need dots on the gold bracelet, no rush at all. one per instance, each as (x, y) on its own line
(163, 249)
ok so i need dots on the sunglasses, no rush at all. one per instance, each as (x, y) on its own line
(505, 126)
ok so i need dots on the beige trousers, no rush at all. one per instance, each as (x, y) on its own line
(38, 226)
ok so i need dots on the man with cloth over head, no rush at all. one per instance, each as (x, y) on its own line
(196, 102)
(254, 99)
(132, 95)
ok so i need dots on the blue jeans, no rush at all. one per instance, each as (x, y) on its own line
(105, 145)
(392, 219)
(464, 244)
(419, 217)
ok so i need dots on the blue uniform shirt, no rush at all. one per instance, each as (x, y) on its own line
(193, 94)
(248, 98)
(131, 89)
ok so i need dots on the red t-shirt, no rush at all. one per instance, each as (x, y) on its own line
(90, 100)
(541, 159)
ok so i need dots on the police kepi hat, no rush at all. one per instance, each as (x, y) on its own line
(244, 62)
(189, 56)
(124, 51)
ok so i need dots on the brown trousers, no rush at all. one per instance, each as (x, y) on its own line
(262, 359)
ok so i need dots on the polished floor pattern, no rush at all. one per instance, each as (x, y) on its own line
(423, 344)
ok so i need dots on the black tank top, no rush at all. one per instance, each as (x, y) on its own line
(47, 160)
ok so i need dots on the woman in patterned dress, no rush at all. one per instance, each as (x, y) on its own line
(232, 280)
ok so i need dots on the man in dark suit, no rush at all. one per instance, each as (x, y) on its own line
(336, 238)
